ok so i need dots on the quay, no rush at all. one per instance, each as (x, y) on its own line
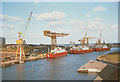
(9, 63)
(108, 73)
(92, 67)
(12, 62)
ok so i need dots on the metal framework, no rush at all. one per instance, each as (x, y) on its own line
(53, 36)
(20, 53)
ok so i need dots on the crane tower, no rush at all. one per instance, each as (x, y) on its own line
(20, 53)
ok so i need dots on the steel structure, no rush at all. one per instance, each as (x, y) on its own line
(53, 36)
(20, 53)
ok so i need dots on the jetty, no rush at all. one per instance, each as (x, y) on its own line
(12, 62)
(92, 66)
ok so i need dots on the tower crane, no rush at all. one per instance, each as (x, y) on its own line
(20, 53)
(72, 42)
(82, 41)
(88, 39)
(53, 36)
(99, 40)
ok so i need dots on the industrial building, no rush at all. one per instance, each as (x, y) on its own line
(2, 41)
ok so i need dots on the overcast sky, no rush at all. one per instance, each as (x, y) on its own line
(67, 17)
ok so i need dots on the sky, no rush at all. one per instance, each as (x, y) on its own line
(62, 17)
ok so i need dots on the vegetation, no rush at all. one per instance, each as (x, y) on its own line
(117, 52)
(111, 57)
(8, 49)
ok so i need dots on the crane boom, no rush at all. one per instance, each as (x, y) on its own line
(20, 48)
(27, 25)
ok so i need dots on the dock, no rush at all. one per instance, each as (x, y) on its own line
(92, 67)
(12, 62)
(108, 73)
(9, 63)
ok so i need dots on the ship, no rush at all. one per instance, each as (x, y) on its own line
(83, 47)
(57, 52)
(101, 46)
(80, 49)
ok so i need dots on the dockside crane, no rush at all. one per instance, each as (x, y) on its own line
(87, 38)
(72, 43)
(20, 53)
(99, 40)
(53, 36)
(84, 39)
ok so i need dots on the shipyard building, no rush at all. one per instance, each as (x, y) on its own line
(2, 41)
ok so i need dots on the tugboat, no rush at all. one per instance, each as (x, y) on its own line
(82, 48)
(101, 47)
(55, 51)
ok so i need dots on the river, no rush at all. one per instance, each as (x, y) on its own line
(62, 68)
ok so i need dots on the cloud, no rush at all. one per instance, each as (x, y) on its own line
(92, 23)
(99, 9)
(89, 14)
(115, 26)
(10, 18)
(77, 23)
(97, 18)
(50, 16)
(8, 26)
(95, 25)
(95, 10)
(36, 1)
(56, 23)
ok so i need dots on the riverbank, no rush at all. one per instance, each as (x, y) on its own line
(112, 58)
(109, 72)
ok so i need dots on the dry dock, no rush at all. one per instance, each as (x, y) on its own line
(92, 66)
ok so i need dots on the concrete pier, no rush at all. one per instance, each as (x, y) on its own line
(12, 62)
(9, 63)
(92, 66)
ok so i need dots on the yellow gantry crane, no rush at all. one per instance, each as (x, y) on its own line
(53, 36)
(20, 53)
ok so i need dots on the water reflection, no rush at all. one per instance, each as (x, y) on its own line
(20, 71)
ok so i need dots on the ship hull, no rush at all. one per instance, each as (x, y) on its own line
(50, 55)
(80, 51)
(101, 49)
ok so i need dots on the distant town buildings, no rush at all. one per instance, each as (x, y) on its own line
(2, 41)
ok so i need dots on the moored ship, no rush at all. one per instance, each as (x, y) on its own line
(57, 52)
(101, 47)
(80, 49)
(83, 47)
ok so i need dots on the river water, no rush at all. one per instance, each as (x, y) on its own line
(62, 68)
